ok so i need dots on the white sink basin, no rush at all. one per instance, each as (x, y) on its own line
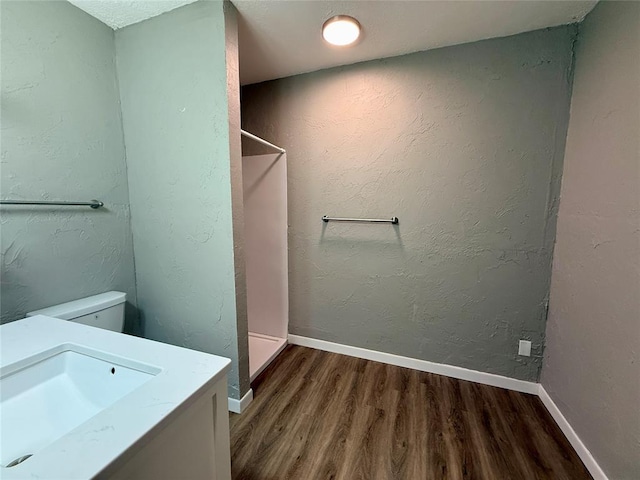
(45, 396)
(161, 415)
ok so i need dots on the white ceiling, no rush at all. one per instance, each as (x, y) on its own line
(282, 38)
(279, 38)
(120, 13)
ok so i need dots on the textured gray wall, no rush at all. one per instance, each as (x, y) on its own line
(592, 357)
(173, 85)
(465, 145)
(61, 140)
(237, 203)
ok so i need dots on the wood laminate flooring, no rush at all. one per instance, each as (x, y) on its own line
(319, 415)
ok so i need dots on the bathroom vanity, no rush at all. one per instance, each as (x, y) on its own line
(78, 402)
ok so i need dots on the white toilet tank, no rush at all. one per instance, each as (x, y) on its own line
(103, 311)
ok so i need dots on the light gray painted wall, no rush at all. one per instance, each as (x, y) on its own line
(61, 140)
(463, 144)
(237, 203)
(173, 84)
(592, 364)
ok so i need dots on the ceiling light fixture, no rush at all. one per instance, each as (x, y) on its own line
(341, 30)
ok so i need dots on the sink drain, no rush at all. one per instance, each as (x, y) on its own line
(18, 460)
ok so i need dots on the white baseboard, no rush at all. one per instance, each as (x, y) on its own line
(416, 364)
(582, 451)
(463, 374)
(239, 406)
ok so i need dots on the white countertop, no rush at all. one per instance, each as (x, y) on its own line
(85, 451)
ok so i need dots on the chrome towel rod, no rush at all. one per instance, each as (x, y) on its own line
(262, 141)
(92, 203)
(393, 220)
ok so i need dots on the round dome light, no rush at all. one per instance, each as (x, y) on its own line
(341, 30)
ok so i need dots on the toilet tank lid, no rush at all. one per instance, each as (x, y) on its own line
(83, 306)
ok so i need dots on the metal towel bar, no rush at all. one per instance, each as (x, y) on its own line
(92, 203)
(393, 220)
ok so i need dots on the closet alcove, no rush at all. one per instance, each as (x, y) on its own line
(264, 182)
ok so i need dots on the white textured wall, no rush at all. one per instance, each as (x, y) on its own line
(592, 358)
(173, 84)
(463, 144)
(61, 140)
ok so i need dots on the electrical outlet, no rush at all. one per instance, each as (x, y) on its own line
(525, 348)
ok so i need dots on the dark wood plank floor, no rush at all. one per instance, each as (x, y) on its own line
(319, 415)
